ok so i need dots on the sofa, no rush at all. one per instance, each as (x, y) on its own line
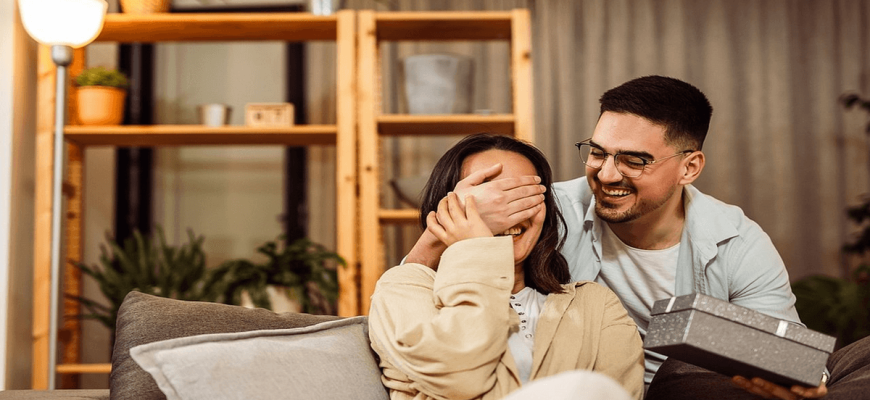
(196, 350)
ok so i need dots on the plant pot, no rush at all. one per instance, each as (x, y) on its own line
(282, 299)
(436, 83)
(144, 6)
(100, 105)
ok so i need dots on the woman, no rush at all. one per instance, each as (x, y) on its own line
(498, 312)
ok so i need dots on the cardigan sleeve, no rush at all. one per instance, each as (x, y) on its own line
(446, 331)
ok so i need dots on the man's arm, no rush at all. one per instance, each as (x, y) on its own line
(501, 204)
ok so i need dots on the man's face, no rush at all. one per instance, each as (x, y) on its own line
(619, 199)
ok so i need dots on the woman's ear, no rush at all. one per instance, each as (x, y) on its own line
(693, 164)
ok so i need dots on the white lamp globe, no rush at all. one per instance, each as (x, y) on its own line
(73, 23)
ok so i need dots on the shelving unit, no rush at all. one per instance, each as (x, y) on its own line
(290, 27)
(377, 27)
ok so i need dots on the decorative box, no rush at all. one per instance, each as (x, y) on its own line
(269, 114)
(734, 340)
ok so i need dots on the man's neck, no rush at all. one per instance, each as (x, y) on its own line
(660, 229)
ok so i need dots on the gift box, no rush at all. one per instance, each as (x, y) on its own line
(734, 340)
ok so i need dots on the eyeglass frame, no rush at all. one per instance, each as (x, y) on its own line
(588, 142)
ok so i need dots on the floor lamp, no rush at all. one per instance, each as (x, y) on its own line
(63, 25)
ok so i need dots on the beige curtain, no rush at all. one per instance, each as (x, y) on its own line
(780, 146)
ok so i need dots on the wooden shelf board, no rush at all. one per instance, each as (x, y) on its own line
(168, 27)
(416, 26)
(453, 124)
(404, 216)
(84, 368)
(183, 135)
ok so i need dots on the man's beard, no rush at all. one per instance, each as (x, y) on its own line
(609, 213)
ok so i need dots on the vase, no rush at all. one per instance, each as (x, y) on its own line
(100, 105)
(436, 83)
(144, 6)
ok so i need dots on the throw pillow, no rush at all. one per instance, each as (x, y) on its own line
(330, 360)
(144, 318)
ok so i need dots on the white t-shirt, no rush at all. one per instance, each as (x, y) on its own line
(641, 277)
(528, 303)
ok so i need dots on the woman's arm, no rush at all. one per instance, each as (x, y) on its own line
(447, 331)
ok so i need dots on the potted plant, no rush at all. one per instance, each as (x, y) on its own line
(144, 6)
(101, 95)
(303, 270)
(148, 266)
(840, 306)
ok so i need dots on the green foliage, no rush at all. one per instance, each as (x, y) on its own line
(303, 267)
(147, 266)
(841, 306)
(99, 76)
(838, 307)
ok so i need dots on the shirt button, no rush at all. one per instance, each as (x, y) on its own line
(520, 313)
(528, 336)
(523, 327)
(513, 297)
(517, 304)
(523, 321)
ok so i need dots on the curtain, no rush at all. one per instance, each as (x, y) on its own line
(780, 146)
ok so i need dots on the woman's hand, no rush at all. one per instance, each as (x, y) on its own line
(452, 222)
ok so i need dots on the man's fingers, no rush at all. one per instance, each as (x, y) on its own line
(530, 181)
(478, 177)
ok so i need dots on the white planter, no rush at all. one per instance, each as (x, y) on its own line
(283, 300)
(436, 83)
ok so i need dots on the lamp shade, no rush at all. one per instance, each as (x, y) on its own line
(73, 23)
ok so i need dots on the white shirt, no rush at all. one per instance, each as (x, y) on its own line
(528, 303)
(640, 277)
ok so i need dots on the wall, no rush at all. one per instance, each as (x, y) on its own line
(17, 127)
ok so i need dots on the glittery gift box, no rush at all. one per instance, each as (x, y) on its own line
(735, 340)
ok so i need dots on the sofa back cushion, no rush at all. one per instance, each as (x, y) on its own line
(144, 319)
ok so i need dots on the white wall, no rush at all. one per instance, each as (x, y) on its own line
(17, 147)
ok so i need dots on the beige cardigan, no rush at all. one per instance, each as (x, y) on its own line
(445, 335)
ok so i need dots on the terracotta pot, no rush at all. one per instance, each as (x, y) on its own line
(144, 6)
(100, 105)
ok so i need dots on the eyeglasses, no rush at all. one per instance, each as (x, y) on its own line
(628, 165)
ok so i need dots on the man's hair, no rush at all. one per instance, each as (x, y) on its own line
(545, 269)
(679, 107)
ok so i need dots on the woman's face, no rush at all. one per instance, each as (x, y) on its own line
(526, 233)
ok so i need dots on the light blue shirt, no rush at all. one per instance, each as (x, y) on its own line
(722, 254)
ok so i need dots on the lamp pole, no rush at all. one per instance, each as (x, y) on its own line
(62, 56)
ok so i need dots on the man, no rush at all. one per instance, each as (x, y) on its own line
(636, 224)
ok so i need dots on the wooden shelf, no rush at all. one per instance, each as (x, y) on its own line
(183, 27)
(84, 368)
(182, 135)
(403, 216)
(453, 124)
(398, 26)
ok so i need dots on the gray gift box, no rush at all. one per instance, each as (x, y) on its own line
(735, 340)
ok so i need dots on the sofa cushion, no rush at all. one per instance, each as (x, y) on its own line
(304, 363)
(144, 318)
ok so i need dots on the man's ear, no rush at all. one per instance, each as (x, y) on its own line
(693, 164)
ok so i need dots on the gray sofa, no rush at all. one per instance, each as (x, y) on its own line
(330, 348)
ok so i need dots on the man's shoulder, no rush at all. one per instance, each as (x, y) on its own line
(572, 191)
(708, 211)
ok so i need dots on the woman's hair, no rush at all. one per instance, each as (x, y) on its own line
(545, 269)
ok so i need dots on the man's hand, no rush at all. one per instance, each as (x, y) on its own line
(770, 390)
(502, 203)
(453, 222)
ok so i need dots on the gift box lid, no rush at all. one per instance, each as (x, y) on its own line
(747, 317)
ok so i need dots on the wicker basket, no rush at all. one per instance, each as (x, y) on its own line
(144, 6)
